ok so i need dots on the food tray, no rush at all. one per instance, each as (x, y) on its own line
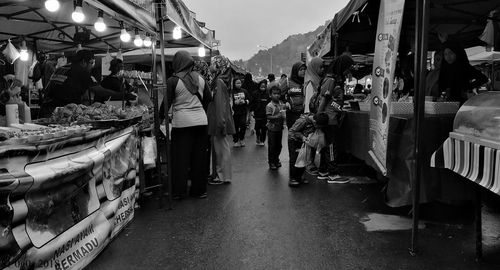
(116, 123)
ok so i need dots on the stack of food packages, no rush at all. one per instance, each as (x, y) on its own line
(70, 120)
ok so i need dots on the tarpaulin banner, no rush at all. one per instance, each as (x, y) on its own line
(384, 64)
(60, 208)
(322, 44)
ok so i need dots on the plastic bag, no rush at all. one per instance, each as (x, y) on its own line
(11, 53)
(317, 158)
(317, 139)
(301, 161)
(149, 152)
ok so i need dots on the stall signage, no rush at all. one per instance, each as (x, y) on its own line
(75, 204)
(384, 63)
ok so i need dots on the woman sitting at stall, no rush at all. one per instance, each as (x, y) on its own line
(457, 77)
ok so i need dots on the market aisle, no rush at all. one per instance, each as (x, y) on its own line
(258, 222)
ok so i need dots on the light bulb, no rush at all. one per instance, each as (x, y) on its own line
(78, 15)
(148, 42)
(177, 33)
(23, 55)
(125, 36)
(201, 51)
(99, 25)
(138, 41)
(52, 5)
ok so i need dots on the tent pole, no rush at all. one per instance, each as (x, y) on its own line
(421, 37)
(157, 131)
(159, 17)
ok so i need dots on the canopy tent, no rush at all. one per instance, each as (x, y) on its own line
(484, 57)
(52, 32)
(354, 26)
(145, 55)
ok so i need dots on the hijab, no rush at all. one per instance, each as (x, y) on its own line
(313, 70)
(454, 76)
(248, 83)
(294, 76)
(183, 65)
(221, 64)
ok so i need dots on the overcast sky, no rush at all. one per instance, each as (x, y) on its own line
(241, 25)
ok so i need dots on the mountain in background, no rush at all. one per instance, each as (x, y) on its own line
(284, 55)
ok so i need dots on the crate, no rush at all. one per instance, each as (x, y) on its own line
(441, 107)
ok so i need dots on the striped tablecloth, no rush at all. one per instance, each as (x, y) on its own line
(473, 158)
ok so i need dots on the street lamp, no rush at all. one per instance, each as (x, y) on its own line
(271, 56)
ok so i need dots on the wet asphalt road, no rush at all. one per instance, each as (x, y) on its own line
(258, 222)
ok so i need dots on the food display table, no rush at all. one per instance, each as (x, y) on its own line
(62, 202)
(473, 149)
(437, 184)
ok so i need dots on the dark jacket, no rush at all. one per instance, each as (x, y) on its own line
(240, 95)
(301, 128)
(219, 114)
(258, 104)
(331, 97)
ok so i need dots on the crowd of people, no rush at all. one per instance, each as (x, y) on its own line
(207, 112)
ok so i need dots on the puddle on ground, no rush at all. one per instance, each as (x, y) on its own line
(379, 222)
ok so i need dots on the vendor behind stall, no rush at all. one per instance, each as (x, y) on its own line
(73, 83)
(114, 82)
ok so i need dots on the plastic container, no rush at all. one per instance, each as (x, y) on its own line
(12, 114)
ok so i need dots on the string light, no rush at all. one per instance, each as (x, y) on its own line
(23, 54)
(177, 33)
(138, 40)
(124, 35)
(147, 42)
(201, 51)
(77, 14)
(52, 5)
(99, 24)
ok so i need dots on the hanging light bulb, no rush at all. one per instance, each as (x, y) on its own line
(52, 5)
(23, 53)
(201, 51)
(99, 25)
(138, 40)
(177, 33)
(77, 14)
(124, 35)
(147, 42)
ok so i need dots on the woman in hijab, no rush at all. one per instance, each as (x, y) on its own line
(249, 84)
(188, 94)
(312, 80)
(220, 121)
(295, 94)
(457, 77)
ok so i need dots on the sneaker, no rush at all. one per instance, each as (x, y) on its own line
(312, 171)
(293, 183)
(236, 145)
(199, 196)
(226, 182)
(242, 143)
(262, 143)
(215, 181)
(272, 166)
(322, 176)
(337, 179)
(257, 142)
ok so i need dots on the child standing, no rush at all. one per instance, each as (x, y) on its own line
(297, 135)
(241, 101)
(275, 112)
(260, 99)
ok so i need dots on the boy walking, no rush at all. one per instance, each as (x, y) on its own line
(297, 135)
(275, 112)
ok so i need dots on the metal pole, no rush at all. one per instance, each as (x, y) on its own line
(270, 54)
(421, 37)
(161, 31)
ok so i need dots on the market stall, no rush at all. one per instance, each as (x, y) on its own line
(70, 182)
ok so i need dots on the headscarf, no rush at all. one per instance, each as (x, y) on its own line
(312, 72)
(248, 83)
(183, 65)
(294, 75)
(340, 66)
(221, 64)
(454, 76)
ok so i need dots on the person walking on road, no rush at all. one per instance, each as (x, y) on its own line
(220, 122)
(260, 99)
(241, 102)
(188, 95)
(275, 112)
(295, 94)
